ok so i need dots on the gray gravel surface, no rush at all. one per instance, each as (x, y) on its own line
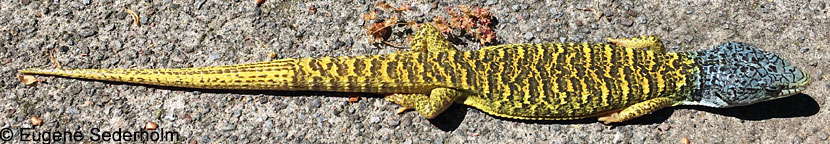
(176, 34)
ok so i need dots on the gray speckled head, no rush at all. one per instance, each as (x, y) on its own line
(738, 74)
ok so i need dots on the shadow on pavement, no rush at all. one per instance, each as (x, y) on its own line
(800, 105)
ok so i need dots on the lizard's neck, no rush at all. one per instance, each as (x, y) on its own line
(707, 81)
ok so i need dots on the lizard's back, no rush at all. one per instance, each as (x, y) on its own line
(568, 81)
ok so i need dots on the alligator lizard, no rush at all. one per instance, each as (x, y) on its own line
(615, 81)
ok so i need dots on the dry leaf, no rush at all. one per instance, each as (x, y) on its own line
(402, 8)
(685, 140)
(370, 16)
(259, 2)
(135, 16)
(376, 31)
(54, 60)
(272, 55)
(383, 5)
(27, 79)
(353, 99)
(441, 25)
(36, 121)
(312, 9)
(151, 126)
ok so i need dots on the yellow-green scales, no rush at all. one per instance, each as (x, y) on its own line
(546, 81)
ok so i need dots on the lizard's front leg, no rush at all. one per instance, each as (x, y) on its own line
(637, 110)
(430, 106)
(428, 38)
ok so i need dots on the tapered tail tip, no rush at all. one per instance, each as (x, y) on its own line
(35, 71)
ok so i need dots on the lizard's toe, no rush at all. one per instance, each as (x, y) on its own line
(611, 118)
(403, 109)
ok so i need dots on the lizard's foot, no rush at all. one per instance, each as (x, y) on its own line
(406, 101)
(403, 109)
(428, 38)
(641, 43)
(430, 106)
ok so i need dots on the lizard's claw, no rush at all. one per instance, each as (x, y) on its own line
(610, 118)
(402, 109)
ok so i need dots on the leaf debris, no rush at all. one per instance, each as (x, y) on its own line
(28, 79)
(36, 121)
(134, 15)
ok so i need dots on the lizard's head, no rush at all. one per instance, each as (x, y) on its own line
(738, 74)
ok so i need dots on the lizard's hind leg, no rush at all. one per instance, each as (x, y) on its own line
(430, 106)
(643, 42)
(428, 38)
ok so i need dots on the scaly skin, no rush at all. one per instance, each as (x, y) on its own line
(547, 81)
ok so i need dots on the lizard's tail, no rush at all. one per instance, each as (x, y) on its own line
(272, 75)
(372, 74)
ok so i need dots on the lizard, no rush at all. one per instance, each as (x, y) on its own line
(616, 81)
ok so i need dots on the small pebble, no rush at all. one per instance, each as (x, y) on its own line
(627, 22)
(315, 103)
(664, 127)
(374, 120)
(393, 123)
(170, 117)
(87, 32)
(492, 2)
(144, 20)
(228, 127)
(299, 33)
(642, 19)
(516, 8)
(268, 125)
(608, 13)
(425, 8)
(199, 3)
(528, 36)
(72, 111)
(64, 48)
(110, 27)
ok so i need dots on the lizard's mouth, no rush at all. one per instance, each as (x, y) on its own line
(794, 87)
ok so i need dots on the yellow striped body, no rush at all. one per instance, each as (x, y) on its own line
(549, 81)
